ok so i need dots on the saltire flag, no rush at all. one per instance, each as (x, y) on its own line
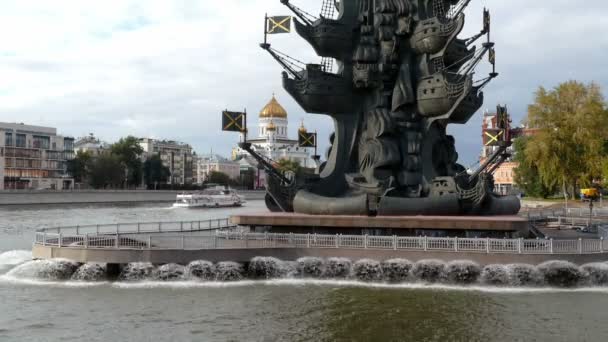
(493, 137)
(306, 139)
(486, 20)
(279, 24)
(233, 121)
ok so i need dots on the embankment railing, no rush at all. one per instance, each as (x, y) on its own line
(141, 227)
(236, 240)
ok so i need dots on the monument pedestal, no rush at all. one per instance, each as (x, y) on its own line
(454, 226)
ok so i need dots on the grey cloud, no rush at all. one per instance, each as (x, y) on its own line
(171, 77)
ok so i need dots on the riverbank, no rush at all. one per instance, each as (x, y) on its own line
(15, 198)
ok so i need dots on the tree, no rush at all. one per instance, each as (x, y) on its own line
(568, 149)
(106, 171)
(526, 173)
(155, 172)
(285, 165)
(78, 167)
(216, 177)
(129, 151)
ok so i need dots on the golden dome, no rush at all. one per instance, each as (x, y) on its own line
(271, 126)
(273, 110)
(302, 129)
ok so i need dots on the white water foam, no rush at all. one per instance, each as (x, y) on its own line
(13, 280)
(350, 284)
(13, 258)
(190, 284)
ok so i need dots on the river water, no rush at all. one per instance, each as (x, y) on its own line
(268, 310)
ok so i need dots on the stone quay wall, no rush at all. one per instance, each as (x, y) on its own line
(15, 198)
(124, 256)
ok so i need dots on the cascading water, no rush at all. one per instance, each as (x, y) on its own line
(137, 271)
(170, 272)
(561, 273)
(266, 268)
(229, 271)
(393, 271)
(462, 272)
(428, 270)
(202, 270)
(310, 267)
(367, 270)
(597, 273)
(496, 275)
(56, 269)
(12, 258)
(396, 270)
(337, 268)
(524, 275)
(91, 272)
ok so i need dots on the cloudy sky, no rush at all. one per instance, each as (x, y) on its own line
(166, 69)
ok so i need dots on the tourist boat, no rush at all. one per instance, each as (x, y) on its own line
(209, 198)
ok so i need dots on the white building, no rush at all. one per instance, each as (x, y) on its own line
(204, 165)
(34, 157)
(175, 155)
(273, 141)
(90, 144)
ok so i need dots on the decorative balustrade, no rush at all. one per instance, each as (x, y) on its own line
(142, 227)
(235, 240)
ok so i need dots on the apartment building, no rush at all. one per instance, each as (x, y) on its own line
(91, 144)
(175, 155)
(34, 157)
(206, 164)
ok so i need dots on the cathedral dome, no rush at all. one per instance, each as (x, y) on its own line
(273, 110)
(271, 126)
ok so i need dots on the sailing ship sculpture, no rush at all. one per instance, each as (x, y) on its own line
(403, 76)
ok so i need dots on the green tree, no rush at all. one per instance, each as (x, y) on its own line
(526, 173)
(155, 172)
(106, 171)
(78, 167)
(568, 149)
(129, 151)
(288, 165)
(216, 177)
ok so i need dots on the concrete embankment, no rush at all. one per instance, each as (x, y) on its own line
(124, 256)
(10, 198)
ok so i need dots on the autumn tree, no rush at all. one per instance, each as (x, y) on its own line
(568, 150)
(526, 173)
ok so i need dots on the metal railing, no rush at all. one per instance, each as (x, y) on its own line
(580, 212)
(236, 240)
(584, 212)
(141, 227)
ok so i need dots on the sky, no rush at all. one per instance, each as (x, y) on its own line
(166, 69)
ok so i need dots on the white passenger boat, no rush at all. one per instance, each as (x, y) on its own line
(209, 198)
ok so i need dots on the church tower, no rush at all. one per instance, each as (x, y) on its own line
(273, 121)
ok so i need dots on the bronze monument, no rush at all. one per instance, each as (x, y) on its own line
(403, 75)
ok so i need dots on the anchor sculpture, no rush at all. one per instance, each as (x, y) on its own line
(403, 76)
